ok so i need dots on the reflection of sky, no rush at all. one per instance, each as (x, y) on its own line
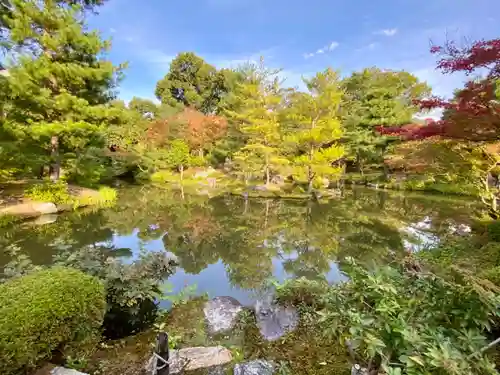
(213, 280)
(421, 235)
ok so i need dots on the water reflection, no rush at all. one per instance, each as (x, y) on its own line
(231, 246)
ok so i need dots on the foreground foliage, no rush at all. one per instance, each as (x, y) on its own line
(55, 309)
(132, 289)
(402, 320)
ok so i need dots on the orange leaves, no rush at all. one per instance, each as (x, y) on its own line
(200, 130)
(197, 129)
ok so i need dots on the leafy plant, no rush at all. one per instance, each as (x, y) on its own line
(132, 289)
(48, 191)
(397, 320)
(58, 308)
(180, 298)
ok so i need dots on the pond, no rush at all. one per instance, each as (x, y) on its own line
(229, 246)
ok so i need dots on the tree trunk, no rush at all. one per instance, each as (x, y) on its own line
(310, 179)
(201, 153)
(181, 170)
(268, 179)
(55, 165)
(267, 213)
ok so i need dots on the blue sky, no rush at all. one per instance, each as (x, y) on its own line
(298, 36)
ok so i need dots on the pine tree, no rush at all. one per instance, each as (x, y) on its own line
(314, 128)
(59, 85)
(259, 101)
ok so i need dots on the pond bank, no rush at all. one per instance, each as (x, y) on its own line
(263, 339)
(18, 206)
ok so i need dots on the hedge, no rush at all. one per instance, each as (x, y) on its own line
(55, 309)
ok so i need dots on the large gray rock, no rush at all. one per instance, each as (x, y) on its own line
(258, 367)
(275, 320)
(65, 371)
(189, 359)
(44, 207)
(221, 314)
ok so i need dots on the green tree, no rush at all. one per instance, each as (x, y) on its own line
(314, 127)
(259, 101)
(58, 90)
(192, 82)
(376, 97)
(178, 155)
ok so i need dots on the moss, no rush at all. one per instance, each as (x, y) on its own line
(304, 351)
(125, 357)
(187, 322)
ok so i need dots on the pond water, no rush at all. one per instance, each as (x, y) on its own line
(229, 246)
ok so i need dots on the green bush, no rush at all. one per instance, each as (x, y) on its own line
(55, 192)
(55, 309)
(400, 320)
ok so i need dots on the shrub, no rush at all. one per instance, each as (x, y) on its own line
(401, 320)
(132, 289)
(404, 321)
(55, 192)
(54, 309)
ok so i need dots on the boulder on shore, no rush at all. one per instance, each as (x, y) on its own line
(257, 367)
(275, 320)
(189, 359)
(65, 371)
(221, 314)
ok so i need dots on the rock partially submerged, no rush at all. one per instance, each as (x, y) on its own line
(65, 371)
(257, 367)
(275, 320)
(189, 359)
(221, 314)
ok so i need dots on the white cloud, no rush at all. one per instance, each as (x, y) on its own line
(320, 51)
(112, 30)
(372, 46)
(333, 45)
(388, 32)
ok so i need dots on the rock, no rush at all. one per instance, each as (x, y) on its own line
(20, 209)
(44, 208)
(189, 359)
(65, 371)
(258, 367)
(275, 320)
(45, 219)
(221, 313)
(278, 180)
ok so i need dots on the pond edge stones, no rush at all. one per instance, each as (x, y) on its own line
(256, 367)
(221, 314)
(274, 320)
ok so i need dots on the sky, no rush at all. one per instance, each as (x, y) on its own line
(298, 36)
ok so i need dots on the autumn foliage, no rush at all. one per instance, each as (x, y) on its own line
(474, 112)
(200, 131)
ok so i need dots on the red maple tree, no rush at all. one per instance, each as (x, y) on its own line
(474, 112)
(199, 131)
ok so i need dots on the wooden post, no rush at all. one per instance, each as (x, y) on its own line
(162, 351)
